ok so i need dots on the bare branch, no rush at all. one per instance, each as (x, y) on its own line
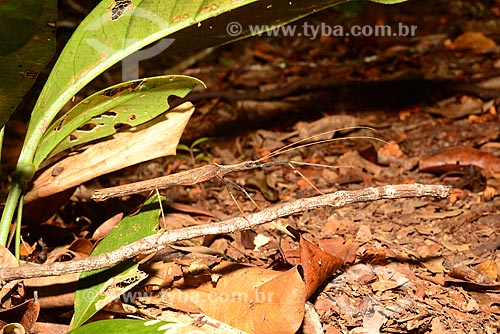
(154, 243)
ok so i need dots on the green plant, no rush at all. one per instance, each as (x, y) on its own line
(112, 32)
(194, 152)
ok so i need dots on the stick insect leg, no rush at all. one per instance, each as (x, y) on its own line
(296, 171)
(237, 186)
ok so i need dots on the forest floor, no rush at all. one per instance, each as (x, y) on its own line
(423, 265)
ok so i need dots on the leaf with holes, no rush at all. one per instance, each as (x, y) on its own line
(100, 115)
(116, 29)
(99, 287)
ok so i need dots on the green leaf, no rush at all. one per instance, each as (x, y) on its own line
(130, 103)
(183, 147)
(113, 31)
(28, 43)
(97, 288)
(263, 14)
(126, 326)
(199, 141)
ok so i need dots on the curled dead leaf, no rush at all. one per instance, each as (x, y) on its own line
(459, 159)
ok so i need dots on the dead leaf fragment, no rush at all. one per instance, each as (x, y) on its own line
(392, 148)
(25, 314)
(340, 248)
(471, 279)
(326, 124)
(107, 226)
(57, 291)
(318, 265)
(459, 159)
(488, 268)
(450, 108)
(472, 41)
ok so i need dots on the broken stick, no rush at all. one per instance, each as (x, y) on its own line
(156, 242)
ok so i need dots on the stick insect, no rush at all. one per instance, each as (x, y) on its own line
(211, 171)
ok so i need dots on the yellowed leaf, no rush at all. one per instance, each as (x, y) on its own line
(474, 41)
(125, 149)
(488, 268)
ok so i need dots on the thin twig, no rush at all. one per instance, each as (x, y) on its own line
(154, 243)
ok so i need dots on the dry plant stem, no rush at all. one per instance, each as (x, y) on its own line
(156, 242)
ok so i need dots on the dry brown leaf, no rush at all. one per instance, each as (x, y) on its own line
(489, 193)
(452, 109)
(25, 314)
(469, 278)
(459, 159)
(488, 268)
(354, 159)
(318, 265)
(473, 41)
(81, 246)
(106, 227)
(57, 291)
(392, 148)
(325, 124)
(125, 149)
(312, 322)
(26, 249)
(193, 323)
(426, 214)
(7, 259)
(434, 265)
(340, 248)
(251, 299)
(454, 247)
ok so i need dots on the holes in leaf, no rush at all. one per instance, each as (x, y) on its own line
(132, 117)
(87, 127)
(131, 86)
(58, 127)
(108, 113)
(118, 8)
(73, 138)
(121, 126)
(109, 92)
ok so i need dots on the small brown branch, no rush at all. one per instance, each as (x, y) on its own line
(154, 243)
